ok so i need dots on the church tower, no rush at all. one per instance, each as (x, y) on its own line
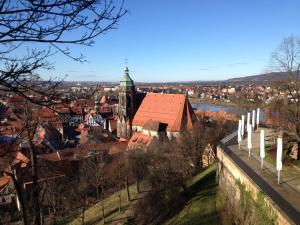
(97, 104)
(127, 106)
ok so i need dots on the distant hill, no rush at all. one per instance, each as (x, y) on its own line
(261, 78)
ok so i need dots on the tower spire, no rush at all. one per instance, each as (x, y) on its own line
(126, 66)
(127, 105)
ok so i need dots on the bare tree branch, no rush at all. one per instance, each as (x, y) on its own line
(54, 24)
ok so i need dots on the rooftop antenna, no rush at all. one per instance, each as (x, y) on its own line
(126, 62)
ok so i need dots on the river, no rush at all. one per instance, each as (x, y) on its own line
(227, 109)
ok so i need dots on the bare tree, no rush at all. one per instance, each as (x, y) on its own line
(54, 25)
(138, 162)
(18, 190)
(82, 188)
(28, 131)
(166, 179)
(287, 58)
(95, 172)
(191, 144)
(55, 190)
(247, 100)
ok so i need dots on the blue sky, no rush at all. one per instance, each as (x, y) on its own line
(176, 40)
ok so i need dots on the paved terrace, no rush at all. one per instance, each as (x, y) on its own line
(286, 194)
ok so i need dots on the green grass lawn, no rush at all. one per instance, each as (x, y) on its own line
(201, 208)
(93, 215)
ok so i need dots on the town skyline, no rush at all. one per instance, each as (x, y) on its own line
(149, 112)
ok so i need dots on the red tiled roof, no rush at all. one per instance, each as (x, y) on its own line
(103, 99)
(172, 109)
(4, 181)
(46, 113)
(16, 99)
(66, 154)
(82, 102)
(140, 141)
(10, 155)
(20, 158)
(10, 128)
(63, 110)
(81, 151)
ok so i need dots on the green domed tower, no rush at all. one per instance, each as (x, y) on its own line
(127, 105)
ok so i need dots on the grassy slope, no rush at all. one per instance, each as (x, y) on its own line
(201, 208)
(93, 215)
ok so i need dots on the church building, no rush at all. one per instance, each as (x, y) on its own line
(146, 118)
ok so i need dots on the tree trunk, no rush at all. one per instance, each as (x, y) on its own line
(298, 154)
(83, 211)
(103, 213)
(120, 199)
(102, 201)
(127, 188)
(36, 205)
(54, 219)
(297, 135)
(35, 189)
(20, 198)
(97, 192)
(137, 185)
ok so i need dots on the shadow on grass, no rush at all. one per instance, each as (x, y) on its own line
(68, 219)
(205, 183)
(99, 218)
(205, 187)
(207, 219)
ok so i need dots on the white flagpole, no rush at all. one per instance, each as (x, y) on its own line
(248, 120)
(253, 120)
(243, 126)
(249, 139)
(257, 117)
(262, 147)
(240, 133)
(279, 157)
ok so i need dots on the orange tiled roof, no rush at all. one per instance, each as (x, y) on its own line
(81, 151)
(20, 158)
(103, 99)
(46, 113)
(4, 181)
(140, 141)
(172, 109)
(10, 155)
